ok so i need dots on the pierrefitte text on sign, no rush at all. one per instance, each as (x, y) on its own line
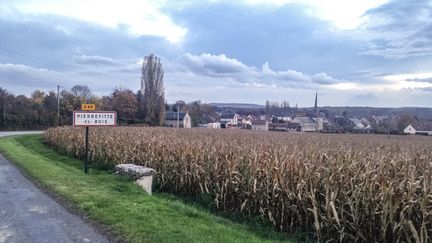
(83, 118)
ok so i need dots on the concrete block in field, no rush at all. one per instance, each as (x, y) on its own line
(143, 176)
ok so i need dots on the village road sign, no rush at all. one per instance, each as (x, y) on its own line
(94, 118)
(88, 107)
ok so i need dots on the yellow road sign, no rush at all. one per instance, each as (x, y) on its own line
(88, 107)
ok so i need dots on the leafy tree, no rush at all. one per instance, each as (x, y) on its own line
(3, 102)
(68, 103)
(125, 103)
(49, 113)
(106, 103)
(22, 113)
(195, 112)
(152, 74)
(38, 97)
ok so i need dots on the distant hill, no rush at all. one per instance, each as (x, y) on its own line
(352, 111)
(420, 112)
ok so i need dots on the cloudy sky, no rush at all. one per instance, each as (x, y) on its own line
(352, 52)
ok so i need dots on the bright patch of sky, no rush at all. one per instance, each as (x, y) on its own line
(343, 14)
(139, 17)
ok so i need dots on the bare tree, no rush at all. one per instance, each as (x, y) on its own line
(81, 92)
(152, 74)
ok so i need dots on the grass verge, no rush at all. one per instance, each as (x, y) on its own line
(122, 207)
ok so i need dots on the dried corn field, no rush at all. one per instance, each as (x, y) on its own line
(350, 188)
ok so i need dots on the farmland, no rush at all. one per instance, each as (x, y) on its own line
(344, 187)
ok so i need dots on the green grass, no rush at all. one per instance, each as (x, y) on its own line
(122, 207)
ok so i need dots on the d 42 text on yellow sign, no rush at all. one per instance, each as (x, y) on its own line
(88, 107)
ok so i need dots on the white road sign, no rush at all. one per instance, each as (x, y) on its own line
(94, 118)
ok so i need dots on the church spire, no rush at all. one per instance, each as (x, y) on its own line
(316, 101)
(315, 109)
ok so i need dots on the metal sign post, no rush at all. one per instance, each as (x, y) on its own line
(92, 118)
(86, 150)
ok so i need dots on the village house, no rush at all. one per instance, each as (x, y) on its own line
(214, 125)
(245, 122)
(293, 127)
(379, 119)
(410, 129)
(279, 126)
(283, 118)
(308, 124)
(320, 123)
(229, 120)
(184, 120)
(260, 125)
(361, 125)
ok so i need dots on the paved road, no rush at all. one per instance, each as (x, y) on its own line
(29, 215)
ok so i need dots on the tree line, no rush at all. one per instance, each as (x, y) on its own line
(41, 109)
(47, 109)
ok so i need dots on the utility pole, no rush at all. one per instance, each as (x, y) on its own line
(58, 104)
(178, 118)
(178, 103)
(4, 108)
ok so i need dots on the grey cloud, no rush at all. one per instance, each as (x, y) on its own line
(428, 80)
(396, 53)
(71, 52)
(400, 29)
(427, 89)
(24, 79)
(25, 75)
(285, 36)
(48, 41)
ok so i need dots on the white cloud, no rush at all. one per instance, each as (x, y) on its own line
(397, 82)
(408, 76)
(233, 71)
(95, 60)
(140, 17)
(214, 63)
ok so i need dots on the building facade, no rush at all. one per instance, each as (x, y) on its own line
(183, 121)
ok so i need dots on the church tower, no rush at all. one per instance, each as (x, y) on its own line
(316, 101)
(315, 109)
